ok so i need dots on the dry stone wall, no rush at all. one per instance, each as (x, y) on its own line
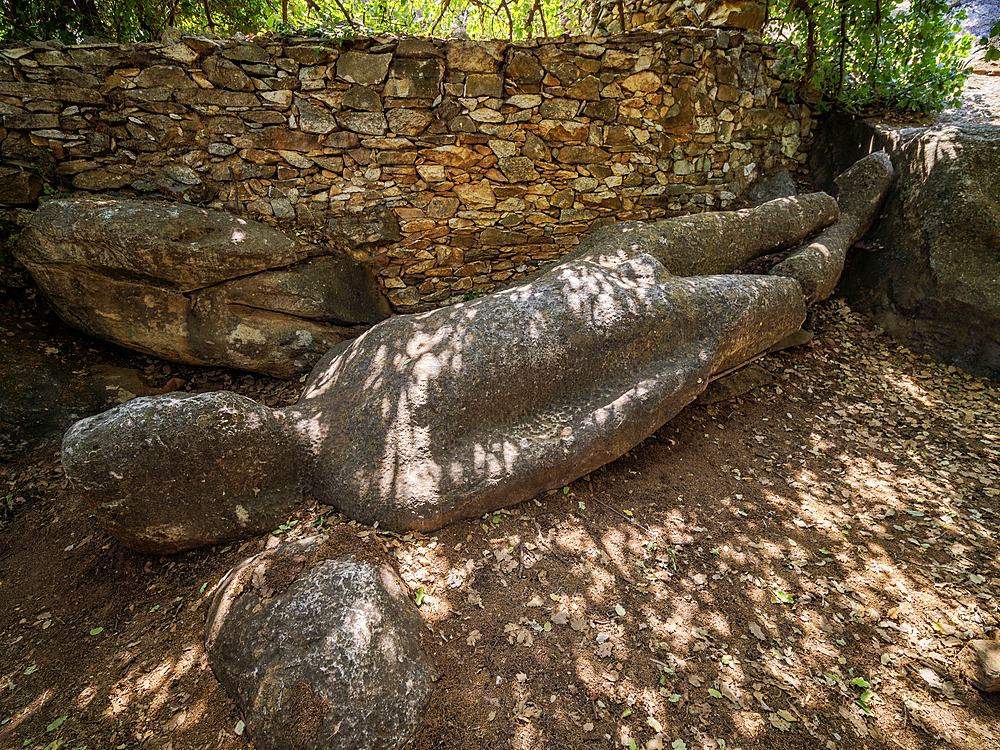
(449, 165)
(615, 16)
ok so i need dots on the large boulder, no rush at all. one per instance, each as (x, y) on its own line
(929, 273)
(197, 286)
(318, 652)
(168, 473)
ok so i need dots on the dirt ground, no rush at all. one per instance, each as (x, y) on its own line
(794, 568)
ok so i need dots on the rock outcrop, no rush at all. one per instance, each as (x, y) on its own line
(319, 653)
(928, 275)
(430, 418)
(197, 286)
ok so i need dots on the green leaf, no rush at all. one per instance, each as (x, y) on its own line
(419, 595)
(783, 597)
(626, 712)
(620, 610)
(97, 631)
(565, 490)
(714, 693)
(861, 682)
(56, 724)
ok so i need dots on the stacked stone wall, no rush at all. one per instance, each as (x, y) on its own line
(449, 166)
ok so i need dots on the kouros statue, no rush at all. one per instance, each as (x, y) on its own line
(429, 418)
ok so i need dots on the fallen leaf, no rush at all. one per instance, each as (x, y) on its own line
(757, 632)
(778, 723)
(473, 637)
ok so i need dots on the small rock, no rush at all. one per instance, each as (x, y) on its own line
(778, 185)
(980, 662)
(736, 384)
(318, 652)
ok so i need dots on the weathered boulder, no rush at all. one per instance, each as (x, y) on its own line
(929, 273)
(319, 653)
(196, 286)
(168, 473)
(431, 418)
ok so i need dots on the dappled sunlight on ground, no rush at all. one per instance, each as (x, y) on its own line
(797, 568)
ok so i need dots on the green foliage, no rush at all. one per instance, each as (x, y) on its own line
(73, 21)
(872, 55)
(992, 50)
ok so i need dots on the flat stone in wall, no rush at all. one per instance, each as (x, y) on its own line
(449, 166)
